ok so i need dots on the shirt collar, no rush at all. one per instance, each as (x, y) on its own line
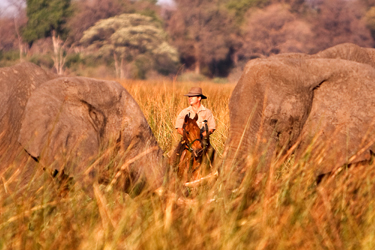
(201, 108)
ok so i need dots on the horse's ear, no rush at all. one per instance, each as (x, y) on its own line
(196, 117)
(186, 118)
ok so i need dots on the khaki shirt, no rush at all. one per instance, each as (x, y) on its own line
(203, 114)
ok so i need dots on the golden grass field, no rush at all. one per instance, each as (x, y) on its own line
(162, 101)
(285, 210)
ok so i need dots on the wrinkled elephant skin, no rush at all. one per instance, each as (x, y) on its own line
(68, 122)
(281, 101)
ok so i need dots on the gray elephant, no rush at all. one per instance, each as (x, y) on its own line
(346, 51)
(78, 125)
(315, 103)
(16, 83)
(349, 51)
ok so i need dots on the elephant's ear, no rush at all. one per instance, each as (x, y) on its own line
(57, 122)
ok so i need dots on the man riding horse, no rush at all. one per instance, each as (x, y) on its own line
(204, 114)
(184, 158)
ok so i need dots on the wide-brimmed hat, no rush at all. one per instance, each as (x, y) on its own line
(196, 91)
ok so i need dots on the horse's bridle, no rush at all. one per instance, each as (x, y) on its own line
(189, 144)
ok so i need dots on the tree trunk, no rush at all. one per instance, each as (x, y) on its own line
(197, 67)
(19, 38)
(197, 59)
(122, 76)
(58, 58)
(235, 58)
(117, 69)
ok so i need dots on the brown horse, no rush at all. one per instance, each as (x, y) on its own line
(193, 156)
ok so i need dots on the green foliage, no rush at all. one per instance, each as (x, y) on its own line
(203, 31)
(45, 16)
(191, 77)
(44, 61)
(148, 10)
(150, 1)
(151, 13)
(9, 58)
(94, 61)
(240, 7)
(370, 20)
(89, 66)
(142, 64)
(73, 60)
(128, 37)
(220, 80)
(11, 55)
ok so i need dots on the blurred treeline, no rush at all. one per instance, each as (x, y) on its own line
(196, 39)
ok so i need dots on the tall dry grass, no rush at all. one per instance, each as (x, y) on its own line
(284, 210)
(162, 101)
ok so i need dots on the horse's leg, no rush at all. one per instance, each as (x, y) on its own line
(185, 166)
(191, 169)
(195, 170)
(182, 164)
(209, 156)
(175, 159)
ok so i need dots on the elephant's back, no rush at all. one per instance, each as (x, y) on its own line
(349, 51)
(16, 83)
(101, 92)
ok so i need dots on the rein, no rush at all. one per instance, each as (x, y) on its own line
(188, 145)
(186, 140)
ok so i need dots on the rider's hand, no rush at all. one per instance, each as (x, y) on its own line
(209, 132)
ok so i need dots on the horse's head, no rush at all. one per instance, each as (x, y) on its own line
(192, 135)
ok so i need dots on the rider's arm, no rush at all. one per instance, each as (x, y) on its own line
(211, 122)
(209, 131)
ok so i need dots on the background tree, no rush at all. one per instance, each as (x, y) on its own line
(12, 18)
(47, 18)
(200, 29)
(131, 38)
(19, 21)
(366, 3)
(370, 20)
(7, 34)
(88, 12)
(240, 7)
(273, 30)
(213, 37)
(369, 17)
(338, 21)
